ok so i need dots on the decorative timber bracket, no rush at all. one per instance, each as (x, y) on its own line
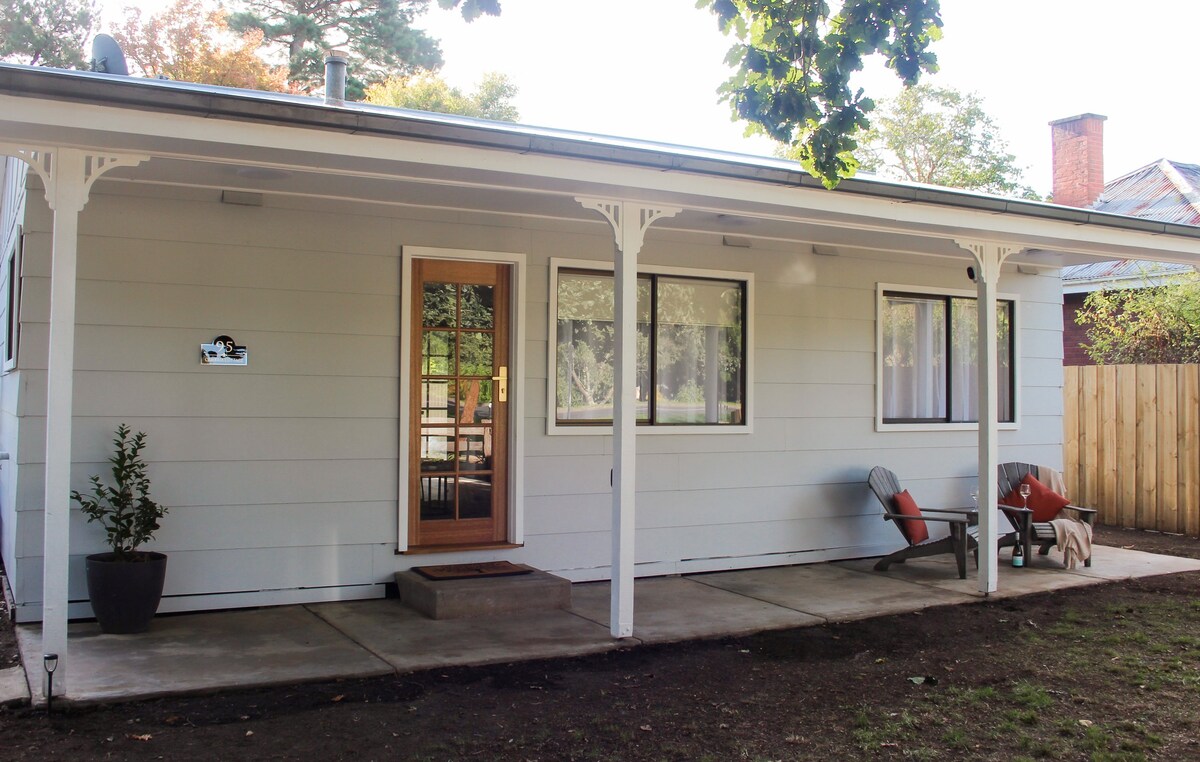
(989, 256)
(629, 237)
(68, 173)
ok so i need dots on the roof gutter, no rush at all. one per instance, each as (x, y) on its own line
(213, 102)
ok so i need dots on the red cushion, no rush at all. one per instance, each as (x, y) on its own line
(1043, 501)
(915, 531)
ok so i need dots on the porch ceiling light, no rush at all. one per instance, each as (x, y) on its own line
(737, 241)
(825, 251)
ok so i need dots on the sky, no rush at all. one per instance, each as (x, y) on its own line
(650, 69)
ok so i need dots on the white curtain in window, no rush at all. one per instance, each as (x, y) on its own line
(915, 349)
(914, 358)
(964, 375)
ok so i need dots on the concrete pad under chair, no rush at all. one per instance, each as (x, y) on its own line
(831, 591)
(669, 609)
(409, 641)
(13, 687)
(1109, 563)
(203, 652)
(1042, 574)
(942, 573)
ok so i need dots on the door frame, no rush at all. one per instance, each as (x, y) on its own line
(516, 403)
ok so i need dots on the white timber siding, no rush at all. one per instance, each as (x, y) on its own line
(12, 214)
(281, 477)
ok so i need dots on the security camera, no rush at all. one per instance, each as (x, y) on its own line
(971, 274)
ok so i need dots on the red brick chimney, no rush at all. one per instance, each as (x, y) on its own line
(1078, 149)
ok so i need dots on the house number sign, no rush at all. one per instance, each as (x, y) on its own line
(223, 351)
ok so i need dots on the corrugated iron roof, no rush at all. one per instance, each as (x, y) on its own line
(1123, 269)
(1165, 190)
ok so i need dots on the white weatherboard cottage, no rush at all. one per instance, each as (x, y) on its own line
(436, 330)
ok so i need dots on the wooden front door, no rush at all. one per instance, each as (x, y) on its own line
(458, 462)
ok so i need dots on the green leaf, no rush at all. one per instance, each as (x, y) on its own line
(795, 62)
(126, 512)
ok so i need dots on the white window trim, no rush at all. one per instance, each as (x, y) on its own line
(909, 288)
(12, 257)
(553, 428)
(516, 407)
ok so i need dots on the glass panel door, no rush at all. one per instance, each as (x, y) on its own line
(458, 469)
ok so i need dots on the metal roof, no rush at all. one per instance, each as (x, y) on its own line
(207, 101)
(1122, 269)
(1165, 190)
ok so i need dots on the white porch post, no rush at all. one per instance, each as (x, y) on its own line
(989, 257)
(629, 221)
(68, 174)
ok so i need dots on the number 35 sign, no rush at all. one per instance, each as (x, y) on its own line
(223, 351)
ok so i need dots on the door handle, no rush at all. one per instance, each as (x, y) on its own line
(502, 384)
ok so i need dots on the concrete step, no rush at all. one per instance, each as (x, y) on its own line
(483, 597)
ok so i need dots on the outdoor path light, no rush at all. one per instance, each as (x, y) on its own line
(50, 662)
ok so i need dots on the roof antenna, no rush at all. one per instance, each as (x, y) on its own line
(107, 56)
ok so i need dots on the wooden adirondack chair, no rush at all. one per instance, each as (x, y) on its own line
(1009, 476)
(963, 536)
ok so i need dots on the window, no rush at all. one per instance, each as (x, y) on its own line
(691, 349)
(10, 275)
(928, 353)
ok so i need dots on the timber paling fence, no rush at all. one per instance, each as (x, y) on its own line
(1132, 444)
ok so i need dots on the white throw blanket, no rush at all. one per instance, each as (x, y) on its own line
(1052, 479)
(1074, 540)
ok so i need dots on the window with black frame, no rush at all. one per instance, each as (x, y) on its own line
(690, 350)
(929, 359)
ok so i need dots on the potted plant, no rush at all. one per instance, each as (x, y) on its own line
(125, 584)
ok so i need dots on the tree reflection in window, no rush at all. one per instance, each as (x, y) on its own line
(692, 327)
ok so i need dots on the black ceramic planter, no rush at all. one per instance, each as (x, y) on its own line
(125, 594)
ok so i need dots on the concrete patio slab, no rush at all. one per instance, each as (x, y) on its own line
(13, 688)
(940, 573)
(198, 652)
(292, 644)
(1121, 563)
(1042, 574)
(832, 592)
(409, 641)
(669, 609)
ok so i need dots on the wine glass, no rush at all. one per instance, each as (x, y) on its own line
(1025, 490)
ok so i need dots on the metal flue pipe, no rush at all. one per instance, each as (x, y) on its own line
(335, 77)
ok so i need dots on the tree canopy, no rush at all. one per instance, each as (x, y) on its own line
(1159, 323)
(491, 99)
(189, 43)
(941, 136)
(795, 59)
(378, 35)
(46, 32)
